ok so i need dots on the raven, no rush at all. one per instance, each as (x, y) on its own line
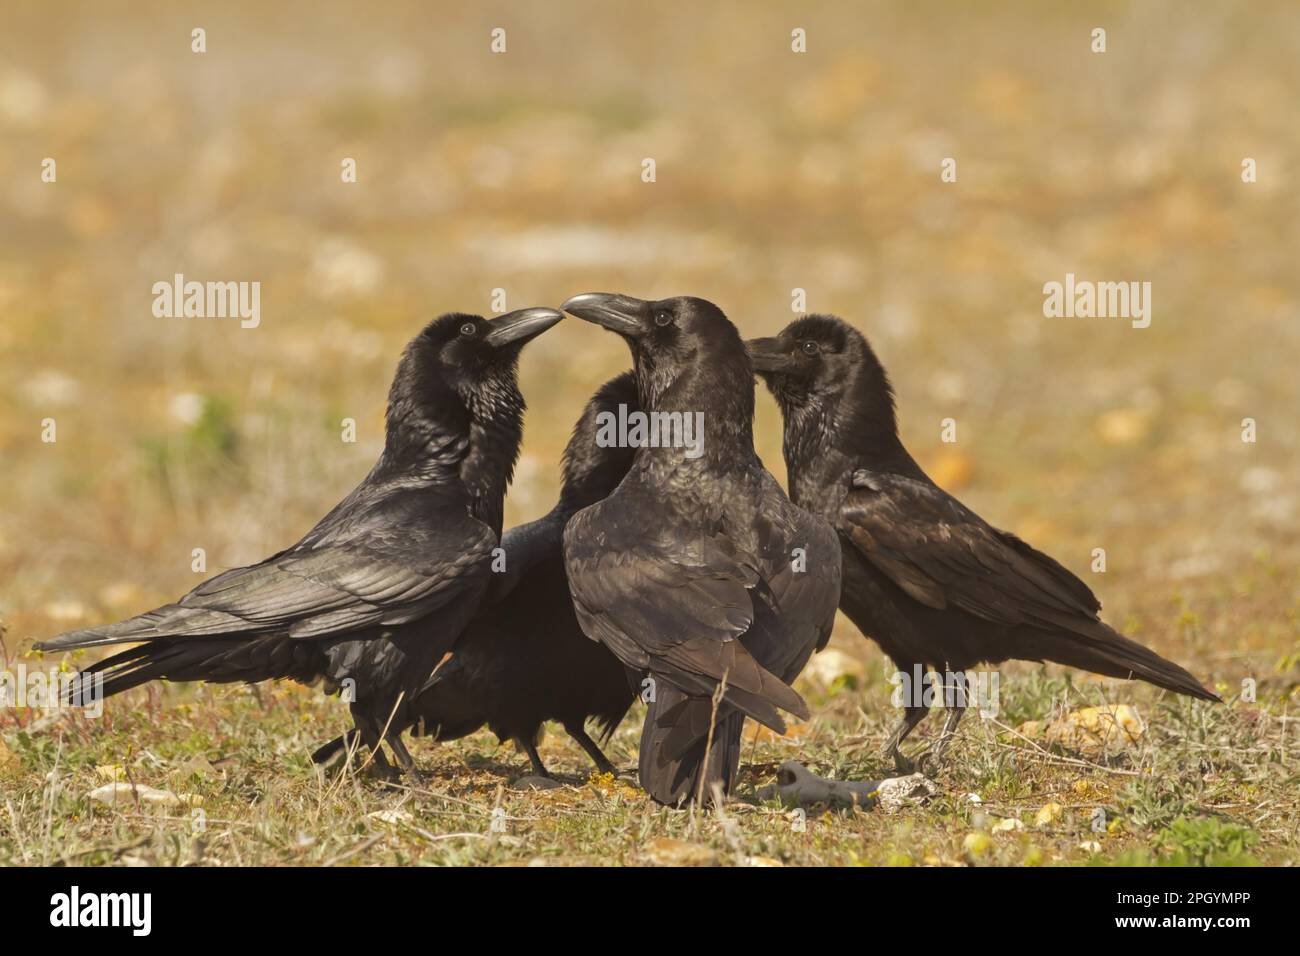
(377, 592)
(698, 569)
(933, 583)
(522, 659)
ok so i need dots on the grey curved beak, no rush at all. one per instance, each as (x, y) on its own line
(618, 313)
(520, 326)
(767, 355)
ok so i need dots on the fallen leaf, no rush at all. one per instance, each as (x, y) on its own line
(392, 817)
(665, 851)
(114, 793)
(1090, 730)
(1033, 729)
(611, 786)
(1048, 814)
(976, 844)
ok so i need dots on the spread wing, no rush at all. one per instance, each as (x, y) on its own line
(672, 603)
(944, 555)
(387, 562)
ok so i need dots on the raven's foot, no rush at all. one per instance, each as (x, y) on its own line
(902, 764)
(933, 760)
(579, 733)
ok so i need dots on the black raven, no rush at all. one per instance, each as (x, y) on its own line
(523, 660)
(698, 569)
(933, 583)
(374, 595)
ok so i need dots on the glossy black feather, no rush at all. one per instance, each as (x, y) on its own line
(927, 578)
(523, 660)
(381, 588)
(685, 572)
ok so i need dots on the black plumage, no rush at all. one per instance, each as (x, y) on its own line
(523, 659)
(924, 576)
(381, 588)
(698, 570)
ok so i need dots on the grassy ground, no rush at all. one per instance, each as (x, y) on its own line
(1206, 785)
(775, 171)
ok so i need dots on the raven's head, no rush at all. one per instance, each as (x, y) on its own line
(455, 400)
(832, 389)
(592, 469)
(670, 338)
(476, 358)
(820, 359)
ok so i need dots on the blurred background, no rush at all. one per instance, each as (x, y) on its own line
(774, 171)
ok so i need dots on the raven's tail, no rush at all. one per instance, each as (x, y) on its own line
(1103, 650)
(171, 619)
(326, 752)
(674, 767)
(216, 660)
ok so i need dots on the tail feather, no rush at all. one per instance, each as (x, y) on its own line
(674, 765)
(142, 627)
(760, 701)
(220, 661)
(1103, 650)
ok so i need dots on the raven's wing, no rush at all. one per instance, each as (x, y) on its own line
(671, 603)
(523, 548)
(389, 562)
(944, 555)
(801, 557)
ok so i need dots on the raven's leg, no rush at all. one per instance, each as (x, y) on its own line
(370, 736)
(949, 731)
(912, 715)
(579, 733)
(955, 702)
(404, 759)
(530, 748)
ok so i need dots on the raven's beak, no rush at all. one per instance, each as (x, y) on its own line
(520, 326)
(768, 355)
(618, 313)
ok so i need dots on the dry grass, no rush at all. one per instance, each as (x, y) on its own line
(1207, 785)
(775, 171)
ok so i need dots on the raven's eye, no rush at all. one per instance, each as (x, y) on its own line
(663, 317)
(809, 348)
(468, 329)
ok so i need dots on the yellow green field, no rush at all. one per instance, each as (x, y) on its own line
(775, 171)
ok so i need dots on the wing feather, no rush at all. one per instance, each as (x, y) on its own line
(944, 555)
